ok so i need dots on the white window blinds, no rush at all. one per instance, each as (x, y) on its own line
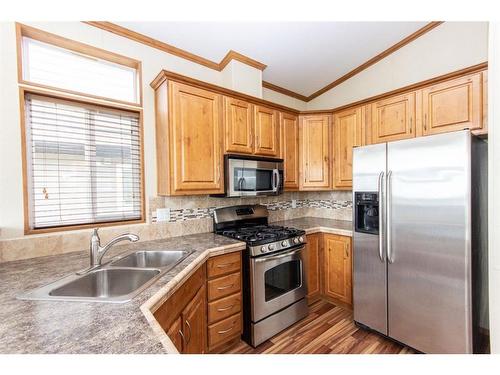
(83, 163)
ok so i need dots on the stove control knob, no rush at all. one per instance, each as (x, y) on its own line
(296, 240)
(301, 239)
(263, 249)
(271, 247)
(284, 243)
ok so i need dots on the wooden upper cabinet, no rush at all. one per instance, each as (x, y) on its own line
(196, 138)
(290, 150)
(266, 131)
(452, 105)
(311, 266)
(338, 267)
(315, 149)
(194, 324)
(348, 132)
(238, 126)
(393, 118)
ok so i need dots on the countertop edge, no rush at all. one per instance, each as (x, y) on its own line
(149, 306)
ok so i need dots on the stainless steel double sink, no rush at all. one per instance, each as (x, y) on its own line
(116, 281)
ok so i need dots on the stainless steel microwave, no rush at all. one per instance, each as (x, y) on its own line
(249, 176)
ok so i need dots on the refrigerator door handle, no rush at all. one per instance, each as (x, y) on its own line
(381, 218)
(388, 201)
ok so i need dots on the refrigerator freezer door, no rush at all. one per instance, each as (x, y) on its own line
(370, 269)
(429, 297)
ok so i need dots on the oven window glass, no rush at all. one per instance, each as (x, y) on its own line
(251, 179)
(282, 279)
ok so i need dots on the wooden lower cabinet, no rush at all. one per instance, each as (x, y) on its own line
(312, 266)
(328, 265)
(194, 324)
(337, 268)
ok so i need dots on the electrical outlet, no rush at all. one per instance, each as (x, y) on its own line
(294, 203)
(163, 214)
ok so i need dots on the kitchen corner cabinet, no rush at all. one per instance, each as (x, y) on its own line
(238, 126)
(312, 266)
(189, 139)
(453, 105)
(337, 268)
(348, 132)
(315, 151)
(183, 315)
(393, 118)
(266, 130)
(290, 150)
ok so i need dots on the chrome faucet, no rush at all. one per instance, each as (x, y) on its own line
(97, 252)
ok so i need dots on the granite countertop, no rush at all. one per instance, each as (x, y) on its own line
(82, 327)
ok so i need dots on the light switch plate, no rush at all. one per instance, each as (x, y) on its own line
(163, 214)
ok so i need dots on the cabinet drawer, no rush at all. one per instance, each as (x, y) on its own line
(224, 286)
(223, 331)
(223, 264)
(224, 307)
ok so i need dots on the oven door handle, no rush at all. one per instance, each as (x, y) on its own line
(279, 256)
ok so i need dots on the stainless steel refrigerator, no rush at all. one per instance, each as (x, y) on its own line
(420, 232)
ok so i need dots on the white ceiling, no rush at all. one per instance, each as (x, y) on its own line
(300, 56)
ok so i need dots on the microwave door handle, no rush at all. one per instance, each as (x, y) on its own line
(276, 177)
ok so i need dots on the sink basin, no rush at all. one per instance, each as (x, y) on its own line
(106, 283)
(153, 258)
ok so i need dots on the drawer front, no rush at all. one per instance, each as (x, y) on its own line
(223, 331)
(224, 286)
(224, 264)
(224, 307)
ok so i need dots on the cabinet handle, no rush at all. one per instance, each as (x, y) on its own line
(182, 337)
(221, 309)
(218, 173)
(189, 326)
(224, 265)
(411, 124)
(346, 251)
(225, 330)
(425, 121)
(225, 287)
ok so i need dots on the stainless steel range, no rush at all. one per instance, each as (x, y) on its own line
(274, 283)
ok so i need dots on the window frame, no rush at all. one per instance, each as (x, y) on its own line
(78, 48)
(88, 102)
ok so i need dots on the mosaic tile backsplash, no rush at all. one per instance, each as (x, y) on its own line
(289, 201)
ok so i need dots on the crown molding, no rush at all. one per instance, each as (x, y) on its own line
(410, 38)
(282, 90)
(233, 55)
(165, 47)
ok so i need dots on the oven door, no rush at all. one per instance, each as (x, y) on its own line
(253, 177)
(277, 281)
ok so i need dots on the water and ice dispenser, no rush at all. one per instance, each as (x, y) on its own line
(366, 212)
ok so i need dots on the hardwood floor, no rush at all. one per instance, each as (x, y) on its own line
(327, 329)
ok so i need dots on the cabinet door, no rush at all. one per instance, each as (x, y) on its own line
(175, 333)
(290, 150)
(196, 155)
(194, 323)
(314, 135)
(347, 133)
(312, 266)
(266, 131)
(452, 105)
(393, 118)
(238, 126)
(338, 268)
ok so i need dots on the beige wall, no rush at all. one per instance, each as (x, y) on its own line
(449, 47)
(494, 187)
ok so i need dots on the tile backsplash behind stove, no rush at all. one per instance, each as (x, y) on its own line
(336, 205)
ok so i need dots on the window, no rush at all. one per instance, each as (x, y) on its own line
(83, 163)
(48, 65)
